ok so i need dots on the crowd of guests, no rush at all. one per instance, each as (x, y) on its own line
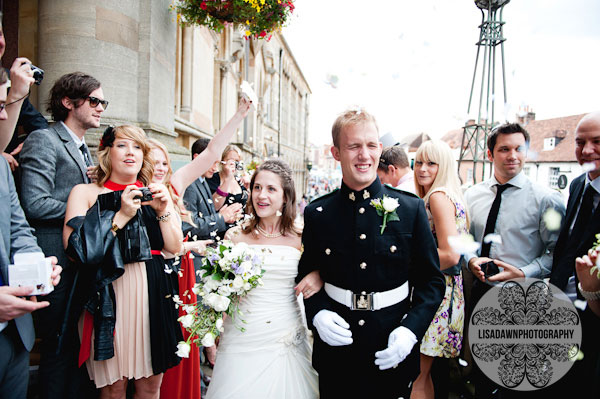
(125, 235)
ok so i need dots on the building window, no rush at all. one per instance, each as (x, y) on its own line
(549, 143)
(553, 177)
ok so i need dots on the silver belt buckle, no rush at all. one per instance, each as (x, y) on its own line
(363, 301)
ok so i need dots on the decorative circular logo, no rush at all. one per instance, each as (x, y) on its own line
(525, 334)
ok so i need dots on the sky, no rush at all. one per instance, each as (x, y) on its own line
(410, 63)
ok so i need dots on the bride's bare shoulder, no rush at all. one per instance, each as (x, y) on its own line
(234, 234)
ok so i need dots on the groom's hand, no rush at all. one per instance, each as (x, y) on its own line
(332, 328)
(400, 343)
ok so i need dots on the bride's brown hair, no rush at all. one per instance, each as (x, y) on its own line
(288, 213)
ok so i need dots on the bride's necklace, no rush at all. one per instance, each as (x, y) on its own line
(268, 235)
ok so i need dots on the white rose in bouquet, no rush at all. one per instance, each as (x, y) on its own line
(183, 349)
(238, 282)
(208, 340)
(217, 302)
(186, 321)
(224, 290)
(210, 285)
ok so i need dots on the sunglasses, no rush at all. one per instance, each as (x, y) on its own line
(94, 101)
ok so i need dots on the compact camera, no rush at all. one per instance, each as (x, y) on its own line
(38, 74)
(146, 194)
(239, 165)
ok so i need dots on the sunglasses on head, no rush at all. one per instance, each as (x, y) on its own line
(94, 101)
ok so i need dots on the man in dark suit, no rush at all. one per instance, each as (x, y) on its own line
(16, 327)
(53, 161)
(198, 201)
(577, 236)
(367, 324)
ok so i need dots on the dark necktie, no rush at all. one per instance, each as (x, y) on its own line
(86, 156)
(584, 214)
(490, 225)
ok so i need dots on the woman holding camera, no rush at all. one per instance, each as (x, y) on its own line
(231, 190)
(437, 183)
(115, 231)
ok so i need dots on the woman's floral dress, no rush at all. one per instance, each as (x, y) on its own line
(444, 335)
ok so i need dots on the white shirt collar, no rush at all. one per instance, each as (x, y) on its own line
(76, 139)
(595, 183)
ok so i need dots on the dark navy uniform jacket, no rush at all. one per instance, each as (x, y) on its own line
(342, 240)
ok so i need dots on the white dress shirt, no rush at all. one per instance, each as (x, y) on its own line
(77, 140)
(526, 241)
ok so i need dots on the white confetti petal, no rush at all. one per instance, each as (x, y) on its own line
(588, 167)
(320, 209)
(462, 362)
(194, 238)
(168, 270)
(191, 256)
(492, 238)
(200, 214)
(552, 219)
(212, 223)
(579, 304)
(463, 244)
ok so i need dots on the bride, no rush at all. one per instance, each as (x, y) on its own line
(272, 357)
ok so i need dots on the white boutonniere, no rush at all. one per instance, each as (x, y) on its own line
(386, 207)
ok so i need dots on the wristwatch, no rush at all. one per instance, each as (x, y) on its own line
(114, 227)
(588, 295)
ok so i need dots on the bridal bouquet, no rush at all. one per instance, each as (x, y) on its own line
(228, 273)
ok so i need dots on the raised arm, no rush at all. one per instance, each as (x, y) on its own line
(186, 175)
(21, 79)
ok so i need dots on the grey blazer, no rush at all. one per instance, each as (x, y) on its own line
(17, 237)
(51, 165)
(198, 201)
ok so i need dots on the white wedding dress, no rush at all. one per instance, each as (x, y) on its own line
(272, 357)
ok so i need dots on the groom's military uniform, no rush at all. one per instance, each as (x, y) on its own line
(342, 240)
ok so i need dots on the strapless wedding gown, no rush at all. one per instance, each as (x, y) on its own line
(272, 357)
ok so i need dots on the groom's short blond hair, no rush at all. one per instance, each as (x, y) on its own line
(352, 116)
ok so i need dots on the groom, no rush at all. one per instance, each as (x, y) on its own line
(367, 323)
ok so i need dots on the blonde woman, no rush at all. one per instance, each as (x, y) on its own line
(436, 181)
(115, 232)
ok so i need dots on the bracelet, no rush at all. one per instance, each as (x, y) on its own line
(164, 218)
(221, 192)
(589, 295)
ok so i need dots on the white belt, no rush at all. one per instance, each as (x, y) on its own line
(364, 301)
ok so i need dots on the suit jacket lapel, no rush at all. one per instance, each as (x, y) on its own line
(71, 149)
(206, 197)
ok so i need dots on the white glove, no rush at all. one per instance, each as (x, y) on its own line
(332, 329)
(400, 343)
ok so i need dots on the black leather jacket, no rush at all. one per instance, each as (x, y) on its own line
(100, 257)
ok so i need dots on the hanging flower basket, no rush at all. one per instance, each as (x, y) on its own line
(257, 18)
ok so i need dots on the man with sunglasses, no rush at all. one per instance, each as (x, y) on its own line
(53, 161)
